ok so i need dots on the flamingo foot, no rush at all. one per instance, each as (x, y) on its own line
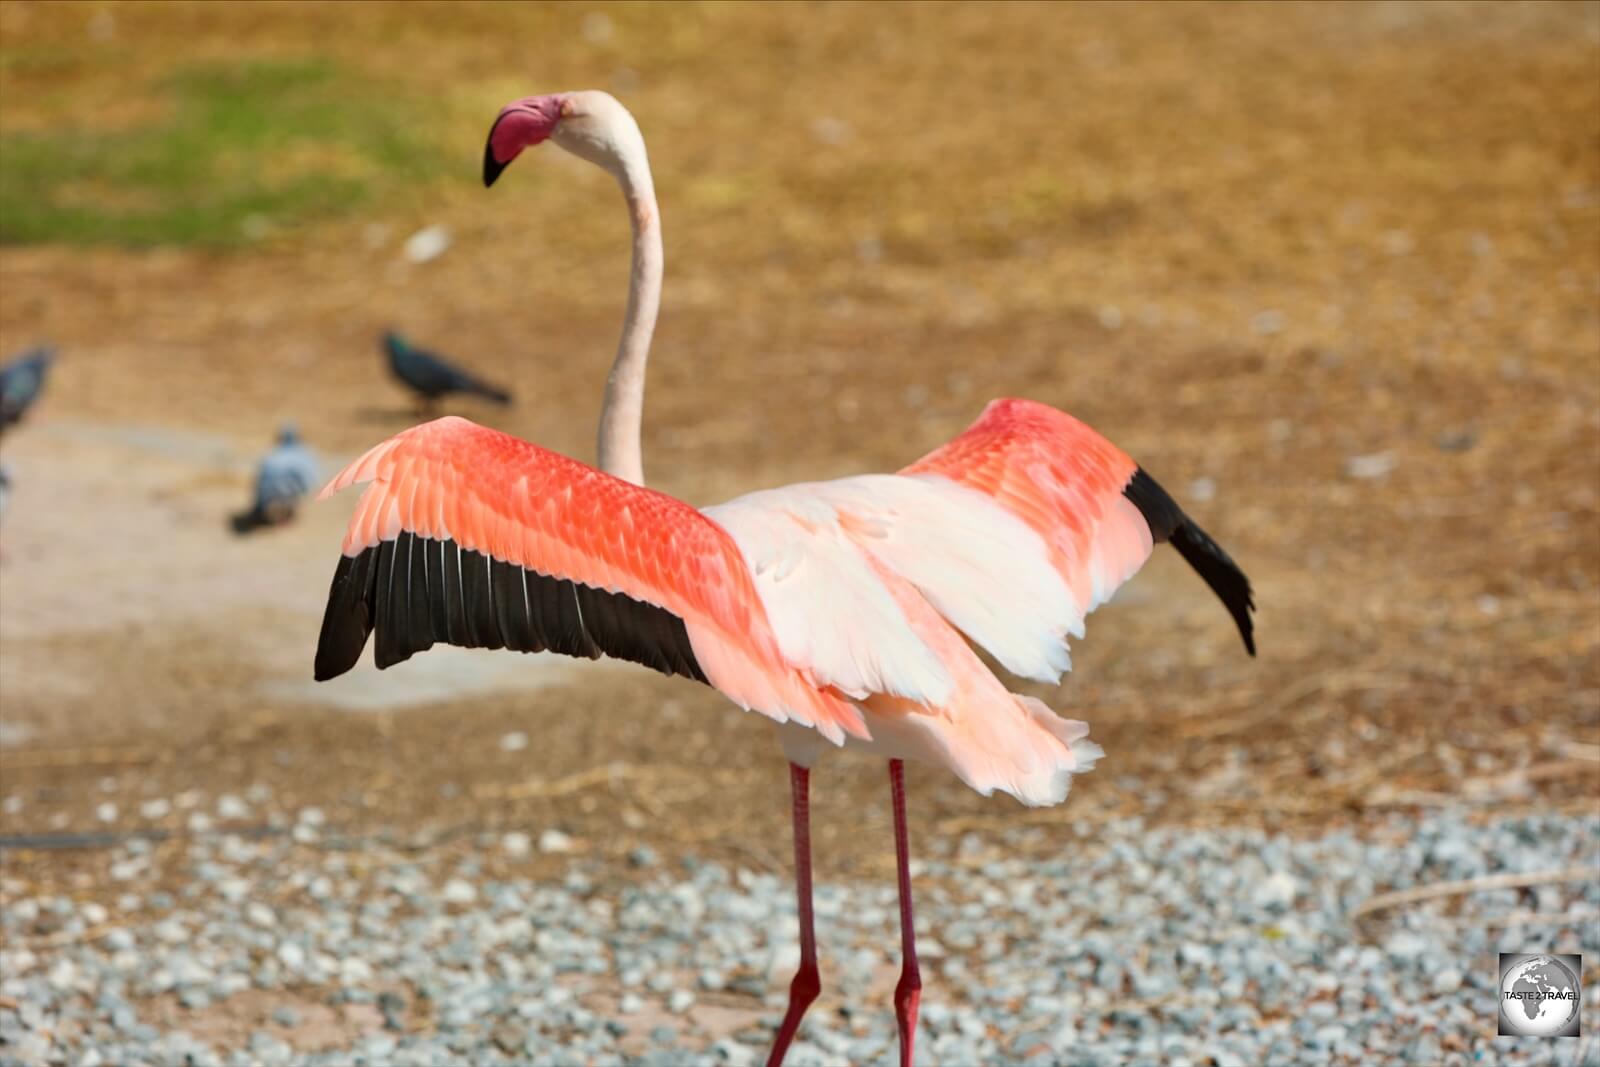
(807, 983)
(908, 992)
(907, 999)
(802, 991)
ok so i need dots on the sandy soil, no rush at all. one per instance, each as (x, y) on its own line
(1249, 246)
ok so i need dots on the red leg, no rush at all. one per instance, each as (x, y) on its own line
(908, 993)
(806, 985)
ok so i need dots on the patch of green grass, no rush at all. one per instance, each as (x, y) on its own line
(247, 149)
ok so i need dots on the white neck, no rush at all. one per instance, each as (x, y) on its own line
(622, 414)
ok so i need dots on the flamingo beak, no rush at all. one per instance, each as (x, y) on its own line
(520, 124)
(491, 166)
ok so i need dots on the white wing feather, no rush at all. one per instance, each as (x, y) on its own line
(831, 614)
(981, 567)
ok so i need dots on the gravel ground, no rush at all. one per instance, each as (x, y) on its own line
(1200, 947)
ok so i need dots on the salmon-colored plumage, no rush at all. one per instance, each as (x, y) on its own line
(1062, 479)
(846, 610)
(838, 605)
(514, 501)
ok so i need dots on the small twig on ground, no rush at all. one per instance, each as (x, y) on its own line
(572, 783)
(1559, 769)
(1581, 750)
(1531, 918)
(61, 939)
(1510, 880)
(1310, 685)
(33, 759)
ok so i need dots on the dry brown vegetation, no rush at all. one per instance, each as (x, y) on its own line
(1249, 244)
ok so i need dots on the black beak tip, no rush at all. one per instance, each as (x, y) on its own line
(491, 166)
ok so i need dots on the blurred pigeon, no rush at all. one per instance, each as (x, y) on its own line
(21, 382)
(286, 474)
(5, 495)
(430, 377)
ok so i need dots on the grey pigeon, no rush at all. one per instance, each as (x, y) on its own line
(285, 476)
(431, 377)
(5, 496)
(21, 382)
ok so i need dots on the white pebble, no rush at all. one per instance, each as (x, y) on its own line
(1268, 322)
(555, 841)
(515, 741)
(680, 1001)
(459, 891)
(427, 243)
(1371, 466)
(18, 961)
(233, 889)
(1278, 890)
(63, 975)
(516, 843)
(155, 809)
(106, 812)
(354, 971)
(231, 807)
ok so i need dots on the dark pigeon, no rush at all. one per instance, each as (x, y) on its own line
(21, 382)
(430, 377)
(285, 476)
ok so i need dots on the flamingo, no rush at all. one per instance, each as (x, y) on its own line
(843, 610)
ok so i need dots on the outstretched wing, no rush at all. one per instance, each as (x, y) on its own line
(1097, 510)
(472, 537)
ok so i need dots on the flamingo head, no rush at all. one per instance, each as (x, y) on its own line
(521, 124)
(590, 124)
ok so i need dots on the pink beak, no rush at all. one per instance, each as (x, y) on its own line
(520, 124)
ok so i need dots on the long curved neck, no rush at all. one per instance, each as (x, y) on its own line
(623, 411)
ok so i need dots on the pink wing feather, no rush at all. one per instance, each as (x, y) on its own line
(558, 535)
(1097, 509)
(1061, 478)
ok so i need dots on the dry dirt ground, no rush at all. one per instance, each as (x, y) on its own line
(1331, 273)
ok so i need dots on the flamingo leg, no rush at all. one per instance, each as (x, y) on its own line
(908, 992)
(806, 985)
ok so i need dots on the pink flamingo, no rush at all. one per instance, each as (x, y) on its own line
(843, 610)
